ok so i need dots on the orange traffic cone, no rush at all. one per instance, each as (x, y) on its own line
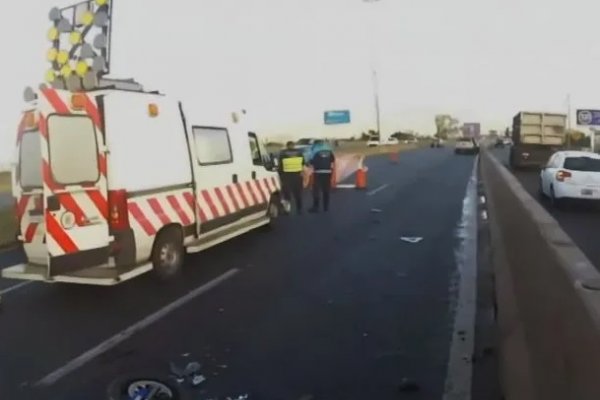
(394, 157)
(361, 178)
(361, 175)
(333, 176)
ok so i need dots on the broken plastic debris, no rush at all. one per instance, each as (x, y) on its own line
(408, 385)
(411, 239)
(197, 380)
(191, 372)
(376, 210)
(240, 397)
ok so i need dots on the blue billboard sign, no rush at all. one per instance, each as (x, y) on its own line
(337, 117)
(588, 117)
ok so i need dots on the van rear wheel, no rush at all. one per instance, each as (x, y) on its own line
(168, 254)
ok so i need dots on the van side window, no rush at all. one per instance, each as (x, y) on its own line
(212, 145)
(255, 149)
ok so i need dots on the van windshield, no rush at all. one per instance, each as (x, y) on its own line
(582, 164)
(73, 149)
(30, 161)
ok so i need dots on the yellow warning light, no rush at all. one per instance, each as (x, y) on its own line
(78, 101)
(52, 54)
(81, 68)
(101, 2)
(152, 110)
(75, 37)
(53, 34)
(62, 57)
(87, 18)
(66, 70)
(50, 76)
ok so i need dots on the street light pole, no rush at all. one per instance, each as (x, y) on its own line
(374, 75)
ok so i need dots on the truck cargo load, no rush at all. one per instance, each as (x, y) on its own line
(536, 136)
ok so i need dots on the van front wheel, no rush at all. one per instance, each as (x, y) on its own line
(168, 254)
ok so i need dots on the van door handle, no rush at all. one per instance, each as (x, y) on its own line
(234, 178)
(53, 203)
(253, 174)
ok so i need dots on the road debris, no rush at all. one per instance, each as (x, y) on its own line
(190, 372)
(408, 385)
(411, 239)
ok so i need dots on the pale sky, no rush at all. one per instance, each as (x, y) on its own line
(287, 61)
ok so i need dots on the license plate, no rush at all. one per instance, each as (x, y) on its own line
(587, 192)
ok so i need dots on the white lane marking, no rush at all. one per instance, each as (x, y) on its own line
(484, 215)
(460, 368)
(15, 287)
(482, 200)
(120, 337)
(379, 189)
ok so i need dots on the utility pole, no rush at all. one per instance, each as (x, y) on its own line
(370, 27)
(568, 120)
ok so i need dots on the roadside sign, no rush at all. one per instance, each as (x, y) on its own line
(337, 117)
(588, 117)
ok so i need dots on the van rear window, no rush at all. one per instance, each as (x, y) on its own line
(73, 149)
(582, 164)
(30, 161)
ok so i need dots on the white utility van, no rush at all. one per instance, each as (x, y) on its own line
(113, 183)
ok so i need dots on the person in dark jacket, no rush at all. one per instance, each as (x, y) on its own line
(291, 166)
(322, 160)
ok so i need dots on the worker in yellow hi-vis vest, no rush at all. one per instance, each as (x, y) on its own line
(291, 166)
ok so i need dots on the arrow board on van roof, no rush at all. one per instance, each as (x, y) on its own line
(79, 52)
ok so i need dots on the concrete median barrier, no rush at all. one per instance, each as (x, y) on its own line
(548, 297)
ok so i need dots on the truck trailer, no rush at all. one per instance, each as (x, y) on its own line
(536, 136)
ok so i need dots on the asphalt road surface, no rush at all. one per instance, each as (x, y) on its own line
(580, 221)
(329, 306)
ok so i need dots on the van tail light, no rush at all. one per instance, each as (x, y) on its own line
(561, 175)
(118, 217)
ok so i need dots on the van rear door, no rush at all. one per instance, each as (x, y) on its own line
(75, 185)
(28, 191)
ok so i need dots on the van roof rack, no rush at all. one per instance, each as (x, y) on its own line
(120, 84)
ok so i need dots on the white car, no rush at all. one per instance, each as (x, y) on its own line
(389, 141)
(466, 146)
(571, 175)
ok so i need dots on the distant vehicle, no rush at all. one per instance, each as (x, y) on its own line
(571, 175)
(499, 143)
(389, 142)
(466, 146)
(305, 143)
(437, 143)
(536, 136)
(507, 142)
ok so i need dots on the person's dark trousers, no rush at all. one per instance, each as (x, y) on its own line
(321, 187)
(292, 187)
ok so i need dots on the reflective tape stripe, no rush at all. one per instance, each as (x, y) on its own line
(293, 164)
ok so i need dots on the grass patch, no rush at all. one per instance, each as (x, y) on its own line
(5, 182)
(8, 226)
